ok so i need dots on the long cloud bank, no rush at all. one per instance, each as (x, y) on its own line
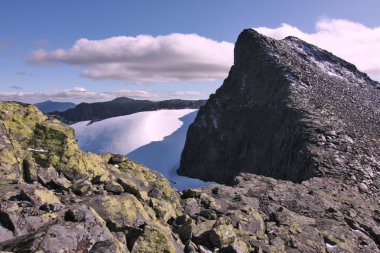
(145, 58)
(80, 94)
(349, 40)
(75, 94)
(179, 57)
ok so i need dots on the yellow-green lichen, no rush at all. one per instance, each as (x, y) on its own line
(120, 210)
(153, 241)
(47, 197)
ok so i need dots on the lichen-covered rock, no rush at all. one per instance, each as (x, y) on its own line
(116, 159)
(114, 187)
(164, 210)
(320, 215)
(37, 195)
(201, 233)
(155, 193)
(237, 246)
(153, 241)
(121, 210)
(146, 179)
(222, 235)
(47, 176)
(191, 206)
(29, 135)
(40, 157)
(82, 187)
(54, 232)
(108, 246)
(185, 230)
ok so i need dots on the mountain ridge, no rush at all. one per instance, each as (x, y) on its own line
(51, 106)
(288, 110)
(119, 107)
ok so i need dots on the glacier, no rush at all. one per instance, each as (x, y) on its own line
(153, 138)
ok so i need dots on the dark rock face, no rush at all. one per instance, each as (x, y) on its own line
(287, 110)
(120, 107)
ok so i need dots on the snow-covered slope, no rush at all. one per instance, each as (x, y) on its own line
(154, 139)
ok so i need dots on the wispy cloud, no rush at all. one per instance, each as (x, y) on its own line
(188, 94)
(349, 40)
(22, 73)
(15, 87)
(5, 42)
(75, 94)
(42, 43)
(144, 58)
(139, 94)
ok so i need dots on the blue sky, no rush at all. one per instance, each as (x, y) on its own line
(27, 26)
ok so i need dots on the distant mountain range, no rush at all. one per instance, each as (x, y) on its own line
(120, 107)
(51, 106)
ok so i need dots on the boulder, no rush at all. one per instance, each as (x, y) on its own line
(82, 187)
(108, 246)
(114, 188)
(222, 235)
(47, 176)
(155, 193)
(153, 241)
(237, 246)
(121, 211)
(116, 159)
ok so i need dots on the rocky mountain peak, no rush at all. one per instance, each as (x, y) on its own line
(288, 110)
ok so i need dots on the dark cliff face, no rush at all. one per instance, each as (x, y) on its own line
(287, 110)
(120, 107)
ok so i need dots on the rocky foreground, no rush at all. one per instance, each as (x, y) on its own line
(57, 198)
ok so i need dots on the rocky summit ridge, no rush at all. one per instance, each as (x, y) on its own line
(57, 198)
(291, 111)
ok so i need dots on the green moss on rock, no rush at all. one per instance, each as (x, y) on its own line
(120, 210)
(26, 131)
(153, 241)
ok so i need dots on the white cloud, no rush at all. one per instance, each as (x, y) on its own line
(75, 94)
(145, 58)
(140, 94)
(188, 94)
(349, 40)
